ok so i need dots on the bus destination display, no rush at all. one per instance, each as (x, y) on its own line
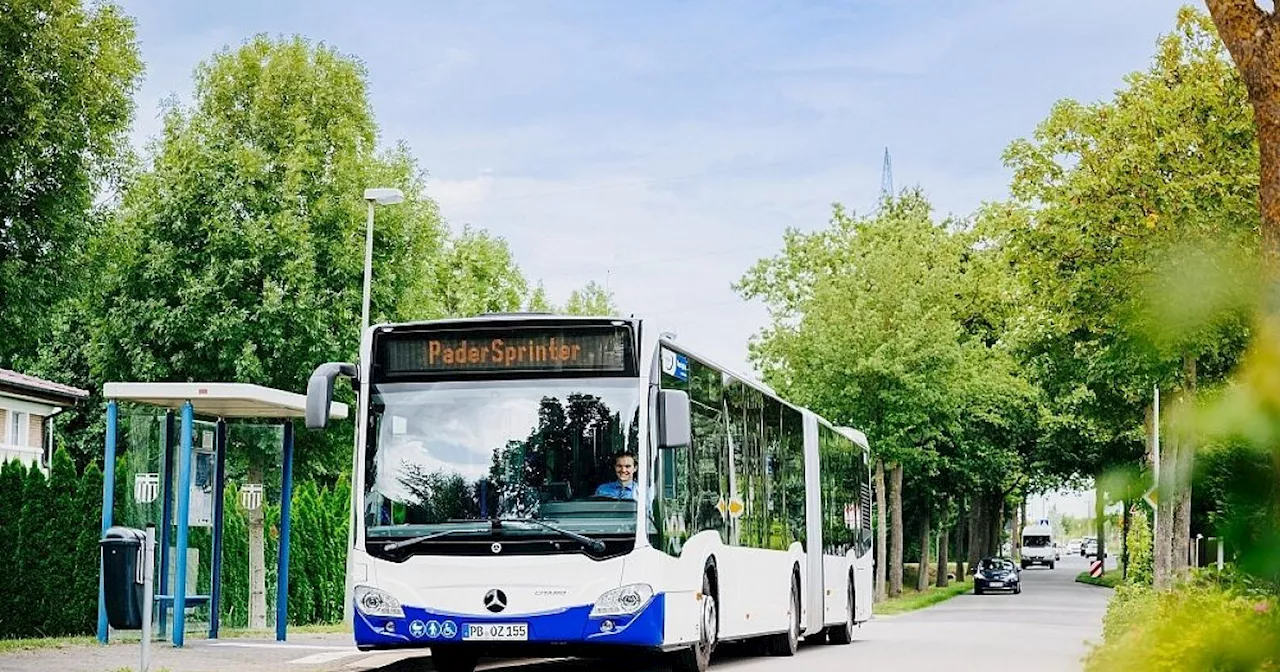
(600, 350)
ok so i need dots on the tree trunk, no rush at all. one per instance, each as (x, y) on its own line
(944, 540)
(1186, 460)
(895, 531)
(882, 534)
(1153, 447)
(995, 536)
(977, 530)
(922, 581)
(1099, 509)
(257, 558)
(961, 550)
(1252, 37)
(1124, 541)
(1019, 520)
(1162, 541)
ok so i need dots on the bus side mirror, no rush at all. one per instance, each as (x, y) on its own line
(320, 391)
(673, 416)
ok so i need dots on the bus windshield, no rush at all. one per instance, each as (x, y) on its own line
(454, 455)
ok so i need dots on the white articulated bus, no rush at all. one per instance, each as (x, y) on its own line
(495, 516)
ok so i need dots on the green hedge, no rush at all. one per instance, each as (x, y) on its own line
(1199, 626)
(49, 531)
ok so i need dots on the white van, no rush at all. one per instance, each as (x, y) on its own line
(1038, 545)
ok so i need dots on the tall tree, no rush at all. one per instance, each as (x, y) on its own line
(1139, 225)
(237, 252)
(65, 108)
(1252, 37)
(863, 331)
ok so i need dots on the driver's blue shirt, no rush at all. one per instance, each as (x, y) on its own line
(617, 490)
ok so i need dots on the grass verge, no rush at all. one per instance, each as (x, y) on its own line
(131, 637)
(12, 645)
(321, 629)
(1110, 580)
(911, 600)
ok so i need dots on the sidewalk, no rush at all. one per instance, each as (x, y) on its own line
(302, 653)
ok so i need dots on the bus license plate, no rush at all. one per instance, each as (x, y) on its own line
(496, 632)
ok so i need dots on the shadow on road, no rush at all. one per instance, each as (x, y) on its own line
(727, 656)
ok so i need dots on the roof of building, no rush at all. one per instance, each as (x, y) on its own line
(39, 388)
(219, 400)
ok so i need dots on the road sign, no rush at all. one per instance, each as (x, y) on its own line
(1095, 568)
(1151, 496)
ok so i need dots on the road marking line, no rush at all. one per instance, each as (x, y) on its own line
(383, 660)
(325, 657)
(264, 645)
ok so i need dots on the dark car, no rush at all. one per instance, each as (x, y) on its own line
(996, 574)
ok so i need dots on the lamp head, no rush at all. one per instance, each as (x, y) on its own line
(384, 195)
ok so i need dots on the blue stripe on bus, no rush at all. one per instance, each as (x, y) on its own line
(424, 626)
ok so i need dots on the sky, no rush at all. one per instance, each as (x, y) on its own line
(661, 148)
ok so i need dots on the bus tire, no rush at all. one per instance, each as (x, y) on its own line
(697, 658)
(451, 659)
(843, 633)
(786, 643)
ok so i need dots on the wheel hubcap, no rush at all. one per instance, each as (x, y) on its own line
(708, 621)
(795, 618)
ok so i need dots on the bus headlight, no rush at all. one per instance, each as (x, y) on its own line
(375, 602)
(623, 601)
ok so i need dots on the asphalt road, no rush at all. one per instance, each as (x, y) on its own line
(1045, 628)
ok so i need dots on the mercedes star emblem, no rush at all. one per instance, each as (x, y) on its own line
(495, 600)
(496, 547)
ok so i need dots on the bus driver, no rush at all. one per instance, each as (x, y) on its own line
(624, 465)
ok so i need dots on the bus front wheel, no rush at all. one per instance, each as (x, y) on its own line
(697, 658)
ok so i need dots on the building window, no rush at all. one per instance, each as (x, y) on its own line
(17, 428)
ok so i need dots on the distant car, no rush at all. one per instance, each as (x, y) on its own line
(996, 574)
(1038, 545)
(1073, 547)
(1090, 548)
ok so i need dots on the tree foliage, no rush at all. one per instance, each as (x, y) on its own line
(65, 108)
(893, 323)
(475, 274)
(862, 328)
(1133, 230)
(237, 251)
(236, 255)
(592, 299)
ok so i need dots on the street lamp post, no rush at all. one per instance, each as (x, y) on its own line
(379, 196)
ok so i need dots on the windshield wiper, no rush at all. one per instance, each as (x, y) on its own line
(595, 545)
(426, 537)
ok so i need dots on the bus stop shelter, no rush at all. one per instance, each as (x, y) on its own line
(172, 483)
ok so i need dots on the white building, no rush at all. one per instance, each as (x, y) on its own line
(27, 408)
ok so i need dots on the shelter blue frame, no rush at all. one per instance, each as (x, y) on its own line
(224, 400)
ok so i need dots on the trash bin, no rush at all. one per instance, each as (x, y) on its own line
(122, 568)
